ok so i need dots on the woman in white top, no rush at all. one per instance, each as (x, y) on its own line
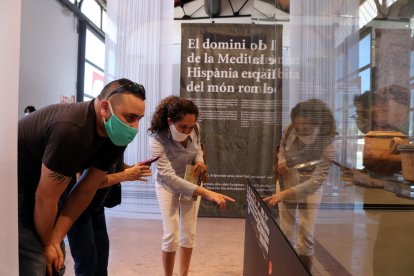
(176, 139)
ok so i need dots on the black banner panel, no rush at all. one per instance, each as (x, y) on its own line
(233, 74)
(266, 250)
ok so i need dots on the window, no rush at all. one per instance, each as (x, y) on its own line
(93, 11)
(91, 54)
(365, 51)
(364, 79)
(94, 66)
(365, 62)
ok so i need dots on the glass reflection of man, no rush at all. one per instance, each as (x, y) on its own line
(386, 109)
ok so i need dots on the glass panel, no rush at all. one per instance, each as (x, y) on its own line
(94, 79)
(355, 230)
(412, 67)
(93, 11)
(95, 50)
(411, 127)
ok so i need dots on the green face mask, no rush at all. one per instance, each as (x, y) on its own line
(119, 133)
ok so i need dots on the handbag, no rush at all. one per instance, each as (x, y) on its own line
(114, 195)
(106, 197)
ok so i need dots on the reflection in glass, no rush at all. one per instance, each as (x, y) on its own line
(303, 163)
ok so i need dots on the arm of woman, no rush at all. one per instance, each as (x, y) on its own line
(279, 197)
(281, 166)
(168, 177)
(309, 186)
(218, 198)
(166, 173)
(318, 176)
(200, 163)
(200, 154)
(136, 172)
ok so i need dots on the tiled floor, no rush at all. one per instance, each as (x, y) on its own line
(135, 247)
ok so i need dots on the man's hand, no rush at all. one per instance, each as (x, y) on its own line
(54, 258)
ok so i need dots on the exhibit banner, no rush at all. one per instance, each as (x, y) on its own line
(233, 73)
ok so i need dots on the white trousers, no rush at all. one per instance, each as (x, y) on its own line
(179, 219)
(297, 221)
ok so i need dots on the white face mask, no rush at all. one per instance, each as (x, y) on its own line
(176, 135)
(310, 139)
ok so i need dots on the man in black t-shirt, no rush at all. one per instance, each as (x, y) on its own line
(56, 142)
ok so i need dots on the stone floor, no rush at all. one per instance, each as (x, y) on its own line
(136, 247)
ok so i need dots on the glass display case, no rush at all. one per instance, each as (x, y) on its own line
(356, 56)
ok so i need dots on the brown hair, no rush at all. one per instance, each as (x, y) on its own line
(318, 113)
(172, 107)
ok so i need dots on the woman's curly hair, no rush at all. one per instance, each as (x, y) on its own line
(319, 114)
(172, 107)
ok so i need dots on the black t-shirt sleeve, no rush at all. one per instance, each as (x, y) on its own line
(64, 148)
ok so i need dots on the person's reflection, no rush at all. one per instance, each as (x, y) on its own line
(306, 149)
(393, 251)
(386, 109)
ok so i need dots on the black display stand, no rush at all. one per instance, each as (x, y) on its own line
(267, 251)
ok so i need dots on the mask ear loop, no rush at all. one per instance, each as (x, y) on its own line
(110, 108)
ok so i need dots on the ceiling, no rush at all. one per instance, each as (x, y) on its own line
(268, 9)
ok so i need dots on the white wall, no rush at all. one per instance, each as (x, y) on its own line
(10, 14)
(48, 61)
